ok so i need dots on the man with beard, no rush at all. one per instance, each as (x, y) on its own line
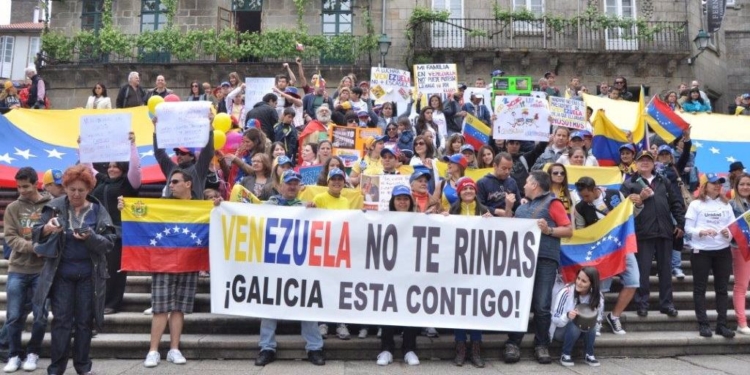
(317, 129)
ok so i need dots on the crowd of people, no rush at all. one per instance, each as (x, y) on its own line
(65, 243)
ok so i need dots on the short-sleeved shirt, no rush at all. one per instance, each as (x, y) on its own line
(329, 202)
(368, 166)
(559, 214)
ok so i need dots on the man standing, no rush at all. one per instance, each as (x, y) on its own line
(522, 162)
(554, 224)
(160, 89)
(477, 109)
(265, 113)
(52, 182)
(23, 271)
(603, 89)
(654, 230)
(290, 186)
(286, 133)
(131, 94)
(37, 90)
(550, 89)
(497, 190)
(555, 150)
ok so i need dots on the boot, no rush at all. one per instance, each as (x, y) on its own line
(460, 353)
(476, 354)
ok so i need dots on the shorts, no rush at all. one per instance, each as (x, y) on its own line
(173, 292)
(631, 277)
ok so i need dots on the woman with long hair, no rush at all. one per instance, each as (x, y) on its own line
(196, 92)
(331, 163)
(453, 144)
(325, 149)
(695, 103)
(424, 154)
(425, 124)
(240, 162)
(584, 290)
(98, 98)
(259, 181)
(706, 222)
(672, 101)
(235, 102)
(234, 80)
(446, 192)
(277, 149)
(559, 187)
(485, 156)
(345, 83)
(370, 163)
(741, 265)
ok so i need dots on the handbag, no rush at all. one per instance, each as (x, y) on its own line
(49, 248)
(686, 196)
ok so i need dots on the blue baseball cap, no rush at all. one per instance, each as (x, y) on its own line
(334, 172)
(52, 176)
(628, 147)
(393, 150)
(401, 190)
(497, 73)
(457, 159)
(585, 133)
(419, 172)
(745, 96)
(715, 179)
(664, 148)
(290, 175)
(283, 159)
(225, 83)
(363, 114)
(577, 134)
(467, 147)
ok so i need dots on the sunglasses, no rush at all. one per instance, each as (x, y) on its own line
(194, 85)
(558, 173)
(391, 129)
(619, 82)
(182, 153)
(175, 182)
(352, 121)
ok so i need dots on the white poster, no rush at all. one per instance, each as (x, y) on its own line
(390, 85)
(522, 118)
(256, 88)
(104, 138)
(569, 113)
(377, 190)
(374, 268)
(183, 124)
(436, 78)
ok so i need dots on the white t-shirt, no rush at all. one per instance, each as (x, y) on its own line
(438, 117)
(709, 214)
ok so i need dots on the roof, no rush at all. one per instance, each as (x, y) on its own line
(23, 26)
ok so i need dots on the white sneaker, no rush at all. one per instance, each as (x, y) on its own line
(148, 311)
(380, 332)
(598, 329)
(176, 357)
(385, 358)
(30, 363)
(362, 333)
(430, 332)
(323, 329)
(13, 364)
(411, 359)
(743, 330)
(152, 359)
(342, 332)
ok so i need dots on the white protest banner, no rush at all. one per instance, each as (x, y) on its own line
(377, 190)
(522, 118)
(390, 85)
(256, 88)
(539, 94)
(568, 113)
(486, 96)
(183, 124)
(374, 268)
(436, 78)
(104, 138)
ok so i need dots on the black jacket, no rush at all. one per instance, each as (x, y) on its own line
(267, 116)
(125, 92)
(654, 220)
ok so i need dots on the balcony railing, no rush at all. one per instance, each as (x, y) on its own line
(472, 34)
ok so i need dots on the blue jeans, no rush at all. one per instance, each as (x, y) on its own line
(309, 330)
(18, 290)
(541, 303)
(570, 334)
(676, 260)
(460, 335)
(73, 305)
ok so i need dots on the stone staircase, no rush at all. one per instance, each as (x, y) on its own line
(210, 336)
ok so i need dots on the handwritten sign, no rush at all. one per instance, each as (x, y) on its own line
(183, 124)
(348, 156)
(436, 78)
(310, 174)
(377, 190)
(522, 118)
(568, 113)
(343, 137)
(256, 88)
(390, 85)
(104, 138)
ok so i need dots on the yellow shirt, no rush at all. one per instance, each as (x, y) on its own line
(468, 209)
(329, 202)
(368, 166)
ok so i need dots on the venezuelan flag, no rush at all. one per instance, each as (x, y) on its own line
(664, 121)
(719, 139)
(606, 177)
(740, 230)
(356, 200)
(241, 195)
(165, 235)
(476, 132)
(602, 245)
(474, 174)
(607, 140)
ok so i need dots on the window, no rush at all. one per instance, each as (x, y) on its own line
(730, 3)
(451, 34)
(33, 49)
(534, 6)
(6, 55)
(621, 38)
(153, 15)
(337, 17)
(91, 15)
(248, 5)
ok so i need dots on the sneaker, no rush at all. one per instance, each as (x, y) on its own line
(323, 329)
(316, 357)
(592, 361)
(152, 359)
(385, 358)
(541, 353)
(566, 360)
(411, 359)
(615, 324)
(512, 353)
(380, 332)
(677, 273)
(13, 364)
(148, 311)
(743, 330)
(342, 332)
(30, 363)
(176, 357)
(265, 357)
(430, 332)
(362, 333)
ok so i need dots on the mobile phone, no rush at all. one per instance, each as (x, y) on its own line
(641, 182)
(54, 222)
(81, 231)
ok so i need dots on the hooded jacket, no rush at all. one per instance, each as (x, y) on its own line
(20, 217)
(491, 192)
(266, 115)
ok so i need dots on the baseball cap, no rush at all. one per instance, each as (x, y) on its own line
(464, 182)
(393, 150)
(628, 146)
(419, 172)
(370, 141)
(477, 96)
(736, 166)
(457, 159)
(585, 133)
(577, 134)
(745, 96)
(225, 83)
(407, 153)
(645, 154)
(497, 73)
(364, 83)
(336, 172)
(8, 84)
(400, 190)
(283, 159)
(289, 176)
(664, 148)
(52, 176)
(362, 114)
(184, 150)
(715, 179)
(467, 147)
(292, 91)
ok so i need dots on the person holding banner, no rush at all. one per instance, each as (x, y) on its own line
(706, 222)
(447, 191)
(98, 98)
(419, 182)
(740, 260)
(334, 162)
(424, 154)
(159, 90)
(553, 221)
(497, 190)
(259, 181)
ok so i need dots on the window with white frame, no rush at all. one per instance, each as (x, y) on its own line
(6, 55)
(534, 6)
(34, 43)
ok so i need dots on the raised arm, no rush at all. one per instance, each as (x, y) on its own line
(302, 79)
(134, 170)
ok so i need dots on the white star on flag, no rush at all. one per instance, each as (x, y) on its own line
(167, 231)
(193, 236)
(698, 144)
(185, 231)
(731, 159)
(6, 158)
(147, 153)
(158, 236)
(714, 150)
(153, 242)
(26, 154)
(199, 242)
(53, 153)
(176, 229)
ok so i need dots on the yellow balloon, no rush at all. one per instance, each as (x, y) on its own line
(220, 139)
(222, 122)
(153, 102)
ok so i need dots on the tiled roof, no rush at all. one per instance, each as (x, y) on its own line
(23, 26)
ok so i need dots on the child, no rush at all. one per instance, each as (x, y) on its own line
(405, 135)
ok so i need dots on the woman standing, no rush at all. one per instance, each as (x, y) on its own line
(325, 148)
(259, 180)
(423, 201)
(424, 154)
(370, 164)
(278, 149)
(80, 231)
(196, 93)
(585, 289)
(239, 164)
(447, 191)
(696, 104)
(334, 162)
(671, 100)
(98, 98)
(706, 222)
(559, 187)
(234, 80)
(741, 204)
(453, 144)
(425, 124)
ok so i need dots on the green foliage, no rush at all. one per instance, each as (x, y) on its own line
(423, 15)
(58, 47)
(301, 6)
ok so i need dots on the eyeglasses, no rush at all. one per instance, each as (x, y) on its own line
(619, 82)
(175, 182)
(558, 173)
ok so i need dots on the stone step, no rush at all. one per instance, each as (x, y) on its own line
(212, 346)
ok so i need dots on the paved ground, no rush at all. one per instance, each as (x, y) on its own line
(692, 365)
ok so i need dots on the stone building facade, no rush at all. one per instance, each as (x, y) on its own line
(522, 48)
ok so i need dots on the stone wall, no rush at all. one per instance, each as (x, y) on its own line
(737, 39)
(22, 10)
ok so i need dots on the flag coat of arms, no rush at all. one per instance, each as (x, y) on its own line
(602, 245)
(165, 235)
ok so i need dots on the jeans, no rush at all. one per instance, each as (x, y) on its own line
(309, 330)
(73, 305)
(703, 262)
(460, 335)
(410, 339)
(570, 334)
(19, 286)
(541, 303)
(676, 260)
(661, 248)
